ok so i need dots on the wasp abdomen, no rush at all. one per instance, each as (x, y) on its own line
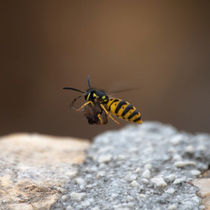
(124, 110)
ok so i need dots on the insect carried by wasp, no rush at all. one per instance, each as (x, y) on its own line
(99, 107)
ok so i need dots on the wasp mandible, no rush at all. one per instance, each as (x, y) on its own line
(99, 107)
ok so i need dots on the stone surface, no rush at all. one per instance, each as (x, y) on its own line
(77, 196)
(141, 167)
(34, 168)
(152, 166)
(182, 164)
(203, 184)
(159, 182)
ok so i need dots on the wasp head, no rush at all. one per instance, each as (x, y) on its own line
(96, 96)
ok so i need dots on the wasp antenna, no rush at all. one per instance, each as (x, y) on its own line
(89, 81)
(74, 89)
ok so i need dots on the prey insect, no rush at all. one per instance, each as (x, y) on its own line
(99, 107)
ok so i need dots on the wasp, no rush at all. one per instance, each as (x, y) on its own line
(99, 107)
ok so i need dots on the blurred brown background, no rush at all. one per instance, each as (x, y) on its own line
(161, 47)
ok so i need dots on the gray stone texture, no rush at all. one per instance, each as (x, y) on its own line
(139, 167)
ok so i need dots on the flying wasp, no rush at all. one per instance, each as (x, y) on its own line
(99, 107)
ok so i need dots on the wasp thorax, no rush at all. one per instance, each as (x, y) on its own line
(104, 98)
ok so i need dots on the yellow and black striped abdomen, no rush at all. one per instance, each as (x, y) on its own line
(124, 110)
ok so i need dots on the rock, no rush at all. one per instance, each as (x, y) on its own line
(65, 197)
(195, 172)
(138, 170)
(134, 183)
(72, 173)
(119, 207)
(129, 198)
(145, 181)
(177, 139)
(129, 158)
(147, 166)
(179, 180)
(142, 195)
(177, 157)
(33, 169)
(81, 182)
(159, 182)
(181, 164)
(100, 174)
(172, 207)
(204, 186)
(146, 174)
(170, 178)
(95, 208)
(105, 158)
(189, 149)
(69, 208)
(131, 177)
(202, 148)
(116, 172)
(206, 202)
(77, 196)
(121, 157)
(170, 190)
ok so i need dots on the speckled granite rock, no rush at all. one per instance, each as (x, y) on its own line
(34, 168)
(140, 167)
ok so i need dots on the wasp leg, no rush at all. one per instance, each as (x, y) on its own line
(73, 102)
(101, 121)
(109, 115)
(71, 106)
(85, 104)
